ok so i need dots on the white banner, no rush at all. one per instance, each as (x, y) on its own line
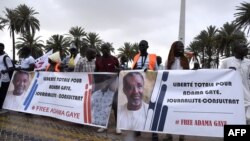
(190, 102)
(84, 98)
(42, 62)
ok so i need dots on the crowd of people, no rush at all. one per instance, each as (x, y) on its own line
(106, 62)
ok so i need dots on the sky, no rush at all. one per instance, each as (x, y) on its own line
(120, 21)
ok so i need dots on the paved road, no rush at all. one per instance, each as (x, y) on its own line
(16, 126)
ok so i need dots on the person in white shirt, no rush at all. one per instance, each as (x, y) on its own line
(176, 61)
(6, 69)
(27, 62)
(14, 99)
(132, 115)
(241, 64)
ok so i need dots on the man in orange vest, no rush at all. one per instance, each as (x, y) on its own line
(144, 60)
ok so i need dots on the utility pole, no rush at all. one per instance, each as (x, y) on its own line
(182, 22)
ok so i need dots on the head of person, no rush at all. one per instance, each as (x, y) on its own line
(143, 47)
(90, 54)
(123, 59)
(133, 88)
(240, 50)
(159, 60)
(73, 51)
(1, 48)
(178, 48)
(20, 82)
(105, 49)
(25, 52)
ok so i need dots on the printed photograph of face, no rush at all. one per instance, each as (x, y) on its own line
(136, 88)
(20, 82)
(133, 99)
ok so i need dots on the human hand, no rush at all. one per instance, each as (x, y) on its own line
(3, 71)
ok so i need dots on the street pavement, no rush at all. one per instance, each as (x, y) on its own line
(17, 126)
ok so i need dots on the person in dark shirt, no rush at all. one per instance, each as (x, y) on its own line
(108, 63)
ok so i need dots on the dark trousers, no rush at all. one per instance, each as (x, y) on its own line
(114, 104)
(3, 92)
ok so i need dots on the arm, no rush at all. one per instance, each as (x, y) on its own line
(8, 64)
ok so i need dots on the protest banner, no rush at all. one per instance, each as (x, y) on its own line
(42, 62)
(192, 102)
(74, 97)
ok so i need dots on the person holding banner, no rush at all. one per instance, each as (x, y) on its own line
(6, 68)
(107, 63)
(176, 61)
(14, 99)
(241, 64)
(145, 61)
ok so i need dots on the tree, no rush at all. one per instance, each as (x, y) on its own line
(243, 16)
(10, 21)
(77, 33)
(207, 40)
(57, 43)
(27, 23)
(35, 44)
(228, 34)
(19, 20)
(129, 50)
(1, 25)
(93, 41)
(195, 47)
(112, 49)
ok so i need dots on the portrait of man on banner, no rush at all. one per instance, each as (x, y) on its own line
(17, 90)
(134, 95)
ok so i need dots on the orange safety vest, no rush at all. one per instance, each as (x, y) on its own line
(151, 64)
(57, 69)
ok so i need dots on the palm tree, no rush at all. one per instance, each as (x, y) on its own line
(228, 34)
(57, 43)
(35, 44)
(19, 20)
(93, 41)
(207, 39)
(194, 46)
(77, 33)
(26, 21)
(243, 16)
(112, 49)
(1, 25)
(129, 50)
(10, 21)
